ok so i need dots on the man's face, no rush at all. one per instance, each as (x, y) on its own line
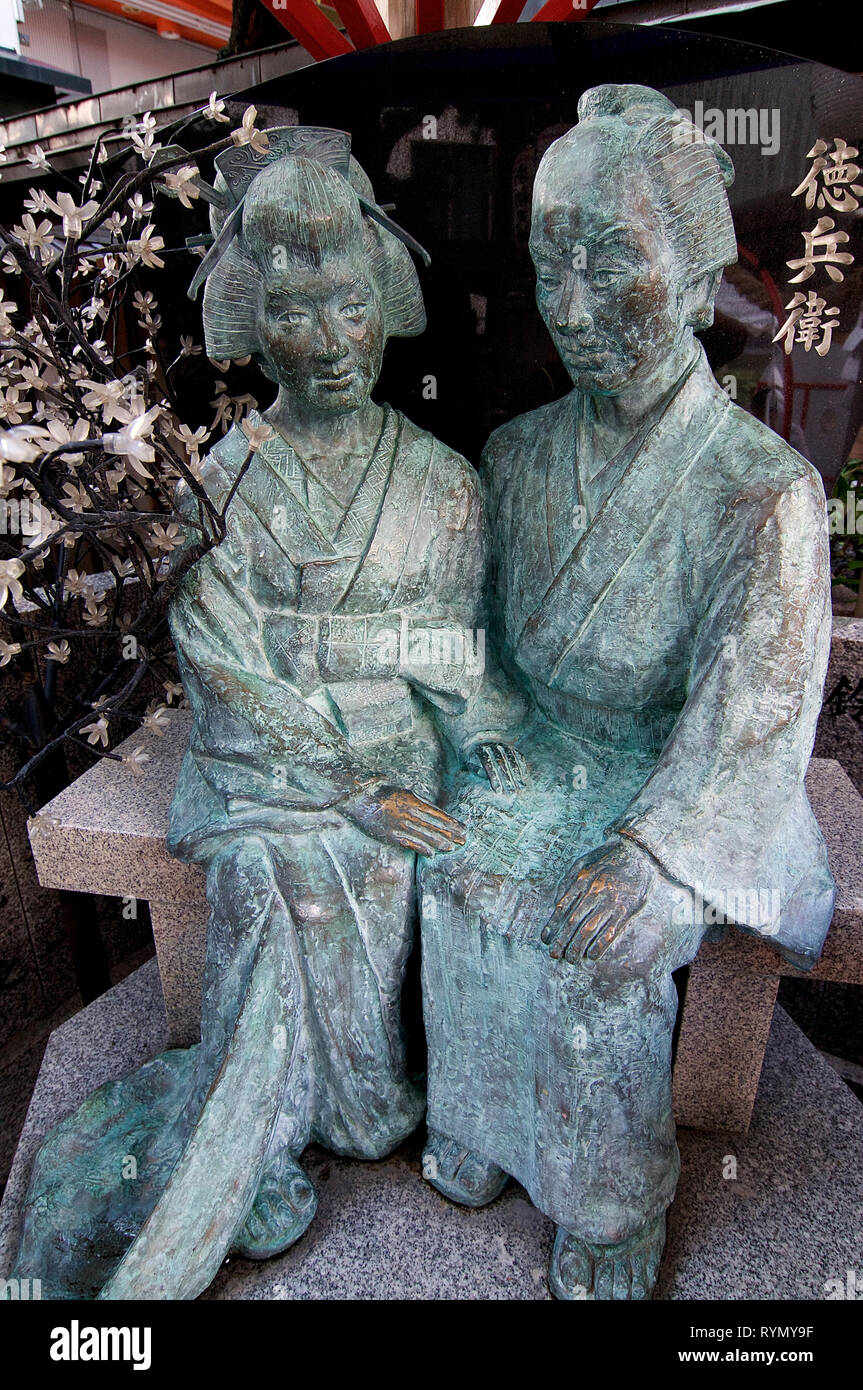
(607, 283)
(322, 331)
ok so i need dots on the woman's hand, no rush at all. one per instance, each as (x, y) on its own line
(399, 817)
(504, 767)
(608, 888)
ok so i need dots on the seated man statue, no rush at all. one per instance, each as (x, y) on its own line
(661, 592)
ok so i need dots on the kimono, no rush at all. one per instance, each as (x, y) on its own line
(323, 649)
(668, 613)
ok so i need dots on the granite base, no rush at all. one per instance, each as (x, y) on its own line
(774, 1214)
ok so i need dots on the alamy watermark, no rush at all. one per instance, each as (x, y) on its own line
(20, 1290)
(734, 903)
(77, 1343)
(20, 516)
(750, 125)
(845, 516)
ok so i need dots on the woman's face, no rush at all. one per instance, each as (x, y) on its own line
(607, 281)
(322, 333)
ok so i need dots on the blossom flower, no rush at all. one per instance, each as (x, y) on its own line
(61, 434)
(8, 650)
(246, 134)
(38, 201)
(215, 109)
(192, 439)
(146, 146)
(141, 135)
(135, 760)
(40, 378)
(6, 308)
(188, 347)
(114, 477)
(35, 238)
(95, 309)
(20, 445)
(157, 721)
(75, 583)
(182, 182)
(131, 442)
(38, 159)
(144, 302)
(166, 538)
(173, 691)
(11, 408)
(139, 207)
(146, 246)
(49, 525)
(95, 613)
(99, 347)
(75, 497)
(10, 581)
(256, 434)
(58, 651)
(97, 732)
(33, 333)
(73, 216)
(105, 396)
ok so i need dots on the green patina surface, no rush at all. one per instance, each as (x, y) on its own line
(626, 743)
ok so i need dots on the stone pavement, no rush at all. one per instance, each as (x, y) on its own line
(791, 1219)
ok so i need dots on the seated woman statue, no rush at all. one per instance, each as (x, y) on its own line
(661, 592)
(326, 649)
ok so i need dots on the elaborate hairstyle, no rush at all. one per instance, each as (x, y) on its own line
(303, 198)
(688, 170)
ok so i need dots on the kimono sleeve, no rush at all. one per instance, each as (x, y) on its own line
(255, 735)
(449, 658)
(725, 810)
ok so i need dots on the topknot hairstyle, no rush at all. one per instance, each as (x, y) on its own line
(688, 170)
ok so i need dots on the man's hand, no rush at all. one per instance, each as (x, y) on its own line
(398, 817)
(608, 887)
(504, 767)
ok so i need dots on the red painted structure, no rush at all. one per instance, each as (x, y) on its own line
(365, 28)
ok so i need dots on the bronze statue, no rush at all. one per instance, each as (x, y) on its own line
(327, 650)
(660, 593)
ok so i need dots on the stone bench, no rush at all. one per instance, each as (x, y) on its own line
(105, 834)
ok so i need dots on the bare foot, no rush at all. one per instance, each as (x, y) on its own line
(461, 1174)
(282, 1210)
(582, 1270)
